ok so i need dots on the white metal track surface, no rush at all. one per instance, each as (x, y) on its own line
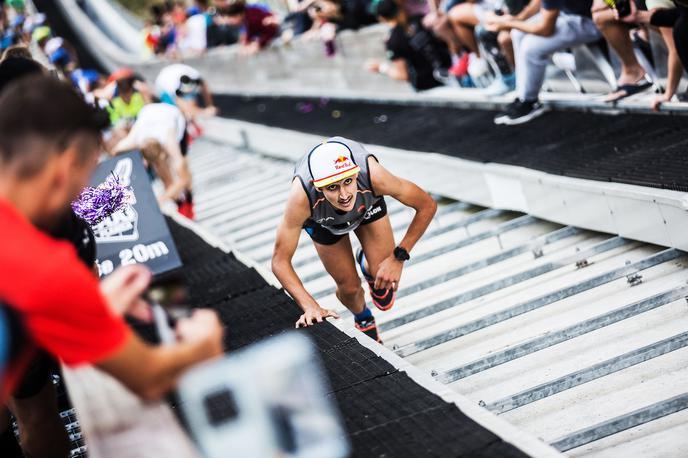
(577, 337)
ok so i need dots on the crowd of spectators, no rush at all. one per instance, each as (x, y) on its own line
(499, 46)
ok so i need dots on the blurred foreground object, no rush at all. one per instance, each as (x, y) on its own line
(267, 400)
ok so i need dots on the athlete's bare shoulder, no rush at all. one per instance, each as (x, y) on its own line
(384, 182)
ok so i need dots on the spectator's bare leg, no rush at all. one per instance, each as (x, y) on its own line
(463, 21)
(42, 433)
(444, 31)
(616, 34)
(507, 47)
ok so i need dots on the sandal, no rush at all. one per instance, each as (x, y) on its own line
(627, 90)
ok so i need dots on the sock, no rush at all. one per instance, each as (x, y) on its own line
(364, 315)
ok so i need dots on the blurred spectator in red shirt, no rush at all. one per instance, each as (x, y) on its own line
(259, 26)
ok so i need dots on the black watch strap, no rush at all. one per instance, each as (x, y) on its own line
(400, 254)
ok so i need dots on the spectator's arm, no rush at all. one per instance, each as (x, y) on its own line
(151, 372)
(544, 27)
(528, 11)
(395, 69)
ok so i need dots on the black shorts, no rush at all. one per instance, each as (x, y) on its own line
(324, 237)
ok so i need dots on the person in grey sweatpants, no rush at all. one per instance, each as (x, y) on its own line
(560, 24)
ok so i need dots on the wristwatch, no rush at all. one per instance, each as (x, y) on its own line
(400, 254)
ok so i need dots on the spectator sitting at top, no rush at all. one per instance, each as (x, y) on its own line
(181, 85)
(560, 24)
(633, 78)
(297, 21)
(437, 21)
(414, 51)
(193, 35)
(58, 51)
(220, 31)
(11, 31)
(259, 26)
(497, 45)
(465, 19)
(324, 16)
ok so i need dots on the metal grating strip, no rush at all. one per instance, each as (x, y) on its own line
(528, 306)
(622, 423)
(534, 245)
(505, 282)
(562, 335)
(589, 374)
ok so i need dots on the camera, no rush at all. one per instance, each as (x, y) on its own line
(268, 400)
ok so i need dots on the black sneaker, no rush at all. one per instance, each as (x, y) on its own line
(369, 328)
(519, 112)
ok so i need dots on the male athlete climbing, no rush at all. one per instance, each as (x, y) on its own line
(338, 187)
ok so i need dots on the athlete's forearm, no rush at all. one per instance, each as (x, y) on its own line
(291, 283)
(419, 224)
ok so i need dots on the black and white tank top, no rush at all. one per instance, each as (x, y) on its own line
(322, 212)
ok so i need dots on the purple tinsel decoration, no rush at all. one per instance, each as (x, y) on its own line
(96, 204)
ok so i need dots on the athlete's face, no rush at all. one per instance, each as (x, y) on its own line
(342, 194)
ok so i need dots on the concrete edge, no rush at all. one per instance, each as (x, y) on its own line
(646, 214)
(522, 440)
(467, 98)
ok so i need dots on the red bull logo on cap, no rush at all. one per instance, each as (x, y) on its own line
(342, 162)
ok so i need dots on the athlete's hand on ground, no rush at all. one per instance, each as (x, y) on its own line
(314, 315)
(123, 288)
(388, 274)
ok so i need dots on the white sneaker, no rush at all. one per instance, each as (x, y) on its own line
(497, 88)
(479, 70)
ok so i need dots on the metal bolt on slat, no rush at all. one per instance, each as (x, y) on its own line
(582, 263)
(633, 279)
(482, 403)
(537, 252)
(434, 373)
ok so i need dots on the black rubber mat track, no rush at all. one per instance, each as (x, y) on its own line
(385, 413)
(641, 149)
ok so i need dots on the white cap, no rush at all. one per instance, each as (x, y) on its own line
(330, 162)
